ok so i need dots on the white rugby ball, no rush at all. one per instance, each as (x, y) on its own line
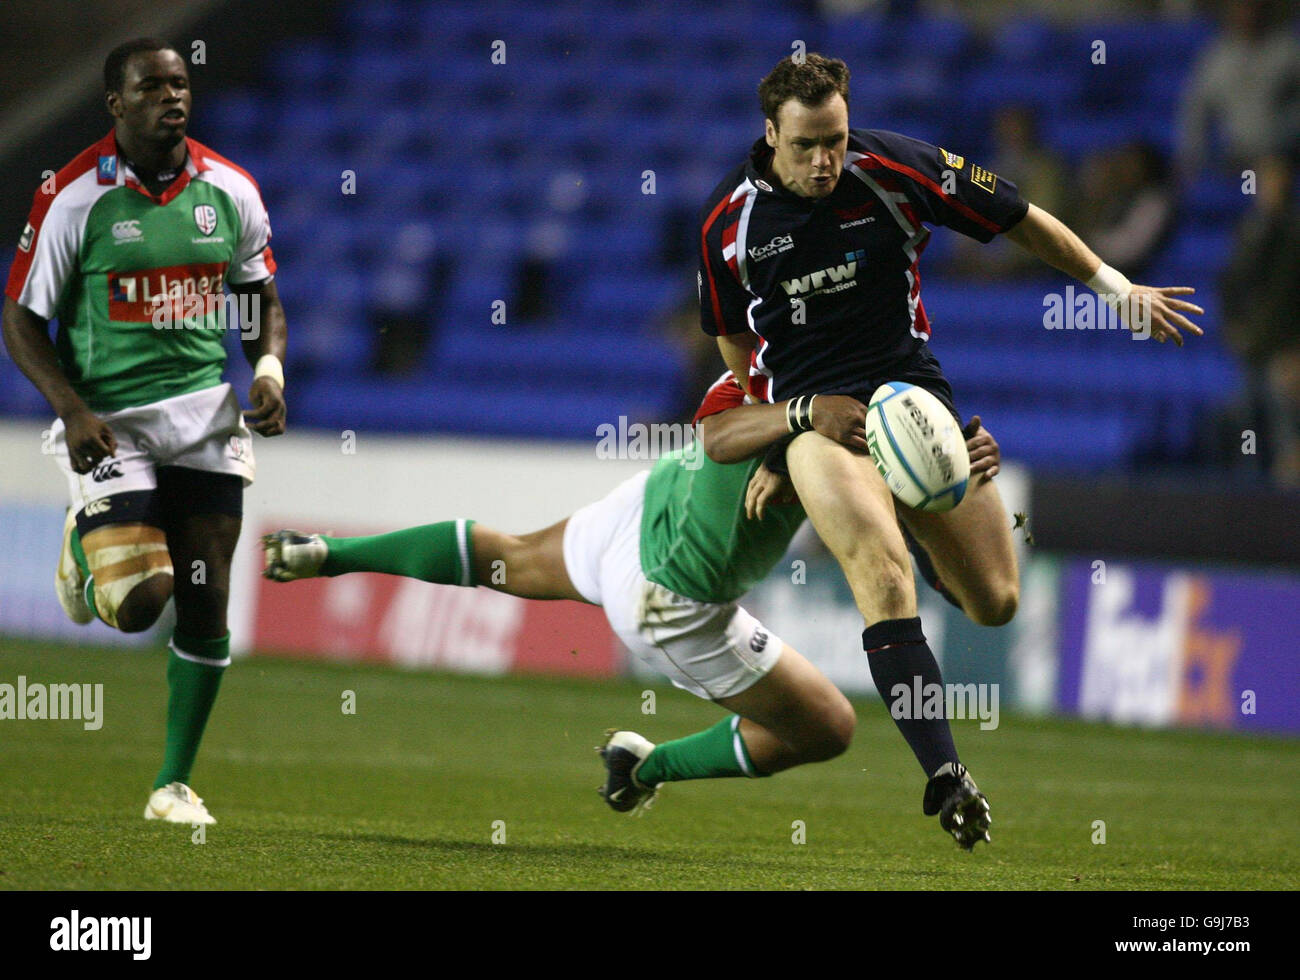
(917, 446)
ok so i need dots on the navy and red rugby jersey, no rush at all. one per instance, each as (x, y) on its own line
(849, 259)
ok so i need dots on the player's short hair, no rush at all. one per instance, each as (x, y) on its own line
(115, 63)
(812, 80)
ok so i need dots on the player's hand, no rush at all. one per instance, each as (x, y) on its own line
(842, 418)
(268, 412)
(767, 487)
(1156, 308)
(89, 440)
(985, 455)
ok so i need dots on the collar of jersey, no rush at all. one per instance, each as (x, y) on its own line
(124, 176)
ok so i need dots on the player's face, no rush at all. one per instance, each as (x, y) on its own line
(809, 145)
(154, 104)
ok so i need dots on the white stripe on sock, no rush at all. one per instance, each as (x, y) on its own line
(739, 747)
(207, 661)
(462, 542)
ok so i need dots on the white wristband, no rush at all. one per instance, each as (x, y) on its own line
(269, 366)
(1111, 285)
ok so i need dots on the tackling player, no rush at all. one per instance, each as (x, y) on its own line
(668, 554)
(810, 280)
(129, 249)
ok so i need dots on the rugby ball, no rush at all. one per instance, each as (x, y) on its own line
(917, 447)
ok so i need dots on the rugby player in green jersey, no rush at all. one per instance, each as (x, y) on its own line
(668, 555)
(129, 248)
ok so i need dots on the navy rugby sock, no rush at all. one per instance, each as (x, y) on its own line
(904, 669)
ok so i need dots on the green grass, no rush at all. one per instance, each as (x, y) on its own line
(405, 793)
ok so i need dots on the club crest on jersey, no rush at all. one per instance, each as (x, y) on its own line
(763, 185)
(205, 216)
(108, 170)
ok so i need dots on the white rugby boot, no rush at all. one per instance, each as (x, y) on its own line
(177, 803)
(290, 555)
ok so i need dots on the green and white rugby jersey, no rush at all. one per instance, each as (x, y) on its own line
(135, 281)
(695, 537)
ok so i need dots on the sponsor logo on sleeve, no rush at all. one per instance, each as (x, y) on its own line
(25, 242)
(954, 160)
(983, 179)
(108, 170)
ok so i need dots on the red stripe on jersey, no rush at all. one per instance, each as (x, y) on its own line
(87, 159)
(722, 395)
(708, 267)
(922, 321)
(878, 161)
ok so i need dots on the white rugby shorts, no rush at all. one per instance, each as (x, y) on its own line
(203, 430)
(713, 650)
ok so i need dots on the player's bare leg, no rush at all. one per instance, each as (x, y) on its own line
(461, 553)
(792, 716)
(853, 511)
(202, 546)
(130, 574)
(530, 566)
(972, 552)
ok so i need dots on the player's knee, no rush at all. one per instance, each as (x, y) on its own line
(884, 588)
(142, 606)
(132, 577)
(832, 733)
(997, 606)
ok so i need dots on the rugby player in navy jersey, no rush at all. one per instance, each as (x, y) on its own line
(810, 280)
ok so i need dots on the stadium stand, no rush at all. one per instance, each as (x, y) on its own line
(406, 96)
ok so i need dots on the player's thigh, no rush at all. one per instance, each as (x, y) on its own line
(845, 498)
(796, 702)
(202, 513)
(970, 545)
(131, 566)
(853, 512)
(528, 565)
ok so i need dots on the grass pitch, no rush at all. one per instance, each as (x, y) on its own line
(411, 790)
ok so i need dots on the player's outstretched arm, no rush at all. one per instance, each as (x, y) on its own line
(265, 339)
(1141, 308)
(741, 433)
(27, 338)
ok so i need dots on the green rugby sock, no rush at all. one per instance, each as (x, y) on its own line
(714, 753)
(193, 687)
(441, 553)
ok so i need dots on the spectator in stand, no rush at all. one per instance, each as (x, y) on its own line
(1261, 292)
(1042, 178)
(1127, 206)
(1247, 85)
